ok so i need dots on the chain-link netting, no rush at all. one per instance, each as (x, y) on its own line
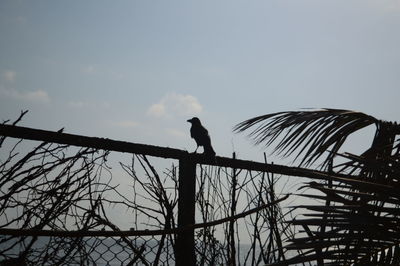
(149, 250)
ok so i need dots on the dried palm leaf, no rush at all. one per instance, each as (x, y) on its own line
(310, 133)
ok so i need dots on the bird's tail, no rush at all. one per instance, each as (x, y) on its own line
(208, 149)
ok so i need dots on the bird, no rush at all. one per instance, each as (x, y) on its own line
(201, 136)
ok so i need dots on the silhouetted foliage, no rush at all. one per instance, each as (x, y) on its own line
(48, 188)
(355, 218)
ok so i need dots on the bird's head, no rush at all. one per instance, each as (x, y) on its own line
(194, 120)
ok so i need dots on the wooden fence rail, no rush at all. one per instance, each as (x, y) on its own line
(156, 151)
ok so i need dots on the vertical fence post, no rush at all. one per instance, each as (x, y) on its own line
(185, 253)
(231, 234)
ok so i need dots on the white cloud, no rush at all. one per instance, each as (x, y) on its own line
(77, 104)
(157, 110)
(176, 104)
(34, 96)
(175, 132)
(37, 96)
(83, 104)
(9, 75)
(126, 124)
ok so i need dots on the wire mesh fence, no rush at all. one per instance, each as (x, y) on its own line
(87, 251)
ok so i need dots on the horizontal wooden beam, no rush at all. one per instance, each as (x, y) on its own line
(156, 151)
(91, 142)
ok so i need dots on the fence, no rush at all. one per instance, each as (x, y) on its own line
(40, 206)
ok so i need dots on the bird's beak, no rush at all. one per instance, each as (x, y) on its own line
(189, 120)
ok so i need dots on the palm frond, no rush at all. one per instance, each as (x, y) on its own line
(356, 216)
(310, 133)
(361, 222)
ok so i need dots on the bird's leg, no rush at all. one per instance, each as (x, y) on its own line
(196, 149)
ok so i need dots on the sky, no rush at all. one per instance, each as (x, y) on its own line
(137, 70)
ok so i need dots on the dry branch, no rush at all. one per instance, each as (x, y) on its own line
(22, 232)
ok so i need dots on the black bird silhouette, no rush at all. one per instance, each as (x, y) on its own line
(200, 135)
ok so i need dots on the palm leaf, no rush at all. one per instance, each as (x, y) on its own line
(361, 222)
(357, 221)
(310, 133)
